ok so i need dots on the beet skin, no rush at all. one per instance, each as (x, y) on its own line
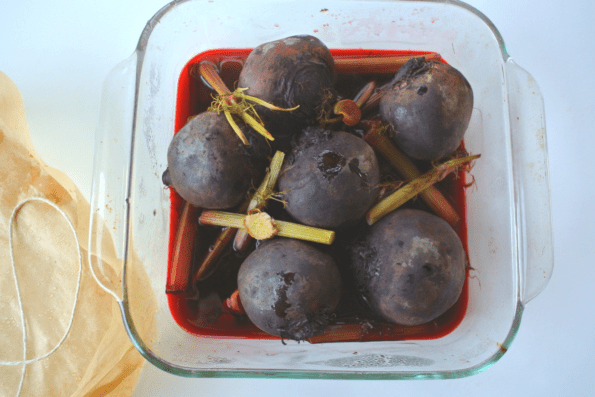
(210, 167)
(429, 106)
(330, 180)
(297, 70)
(289, 288)
(410, 267)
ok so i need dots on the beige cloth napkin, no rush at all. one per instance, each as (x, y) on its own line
(97, 358)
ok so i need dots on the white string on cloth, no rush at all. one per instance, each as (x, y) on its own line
(24, 362)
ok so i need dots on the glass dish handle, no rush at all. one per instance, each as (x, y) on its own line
(111, 165)
(531, 178)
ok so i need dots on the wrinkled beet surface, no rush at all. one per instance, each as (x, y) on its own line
(429, 106)
(289, 288)
(330, 180)
(410, 267)
(297, 70)
(210, 167)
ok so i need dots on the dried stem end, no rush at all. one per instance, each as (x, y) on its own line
(260, 198)
(284, 229)
(432, 196)
(260, 225)
(236, 103)
(365, 94)
(415, 187)
(350, 111)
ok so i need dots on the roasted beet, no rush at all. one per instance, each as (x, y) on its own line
(210, 167)
(410, 267)
(330, 180)
(297, 70)
(429, 106)
(289, 288)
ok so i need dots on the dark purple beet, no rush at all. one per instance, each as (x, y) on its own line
(429, 106)
(165, 178)
(410, 267)
(297, 70)
(210, 167)
(289, 288)
(330, 180)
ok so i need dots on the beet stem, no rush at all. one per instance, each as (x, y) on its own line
(256, 125)
(414, 188)
(260, 225)
(236, 103)
(349, 110)
(236, 128)
(260, 198)
(378, 64)
(179, 274)
(209, 73)
(363, 333)
(285, 229)
(233, 304)
(362, 97)
(223, 240)
(432, 196)
(372, 102)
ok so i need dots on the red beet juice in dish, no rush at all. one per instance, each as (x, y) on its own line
(350, 324)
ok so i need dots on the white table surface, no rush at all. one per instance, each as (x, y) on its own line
(59, 53)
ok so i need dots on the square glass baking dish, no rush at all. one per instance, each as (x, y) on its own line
(507, 212)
